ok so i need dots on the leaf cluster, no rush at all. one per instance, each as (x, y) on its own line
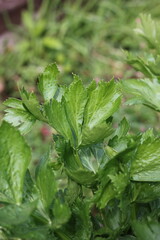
(111, 188)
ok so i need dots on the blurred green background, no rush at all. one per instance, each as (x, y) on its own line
(82, 37)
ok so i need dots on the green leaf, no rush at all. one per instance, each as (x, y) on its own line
(55, 112)
(149, 30)
(48, 82)
(144, 91)
(128, 238)
(32, 232)
(18, 116)
(45, 181)
(97, 134)
(67, 116)
(61, 211)
(123, 128)
(102, 103)
(75, 101)
(14, 215)
(145, 192)
(31, 103)
(146, 230)
(76, 170)
(146, 163)
(15, 157)
(141, 64)
(81, 211)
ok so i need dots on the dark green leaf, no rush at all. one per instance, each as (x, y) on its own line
(14, 214)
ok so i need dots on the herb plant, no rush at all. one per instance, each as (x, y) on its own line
(95, 182)
(146, 90)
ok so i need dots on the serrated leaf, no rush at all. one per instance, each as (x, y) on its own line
(145, 192)
(140, 64)
(123, 128)
(48, 82)
(149, 30)
(81, 210)
(55, 112)
(15, 157)
(146, 163)
(75, 101)
(32, 232)
(102, 103)
(61, 211)
(76, 170)
(146, 230)
(145, 91)
(31, 103)
(18, 116)
(97, 134)
(14, 215)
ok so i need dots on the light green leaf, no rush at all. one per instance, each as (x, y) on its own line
(123, 128)
(18, 116)
(48, 82)
(149, 30)
(145, 91)
(141, 64)
(146, 163)
(52, 43)
(15, 157)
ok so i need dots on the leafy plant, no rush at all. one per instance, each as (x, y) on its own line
(146, 91)
(111, 179)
